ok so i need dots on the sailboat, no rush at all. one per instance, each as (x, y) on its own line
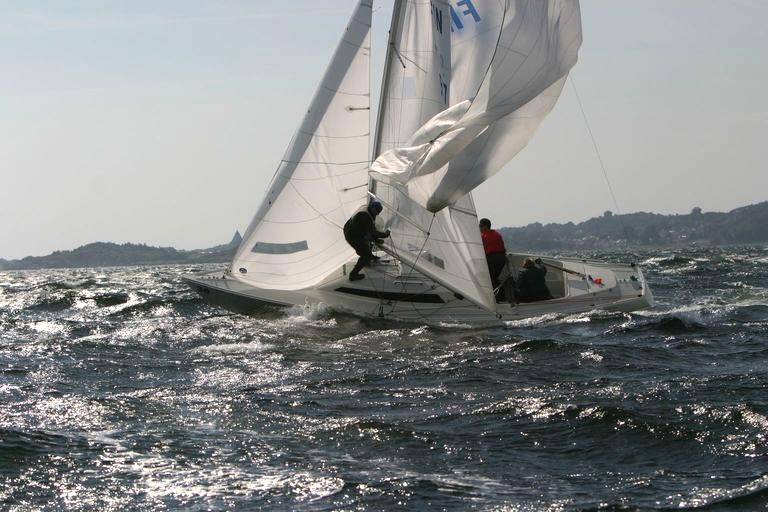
(465, 85)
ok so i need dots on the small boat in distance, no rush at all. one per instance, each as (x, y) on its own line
(464, 89)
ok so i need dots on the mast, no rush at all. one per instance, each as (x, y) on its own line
(394, 28)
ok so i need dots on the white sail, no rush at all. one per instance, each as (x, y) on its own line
(295, 240)
(417, 86)
(450, 155)
(445, 246)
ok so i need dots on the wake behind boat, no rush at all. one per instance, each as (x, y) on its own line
(464, 89)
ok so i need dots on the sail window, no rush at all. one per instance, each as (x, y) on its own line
(287, 248)
(438, 262)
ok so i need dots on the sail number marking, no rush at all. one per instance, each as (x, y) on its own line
(464, 9)
(467, 9)
(437, 17)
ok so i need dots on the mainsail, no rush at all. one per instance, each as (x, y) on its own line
(509, 60)
(295, 240)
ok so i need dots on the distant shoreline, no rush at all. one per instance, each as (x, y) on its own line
(747, 225)
(107, 254)
(225, 261)
(741, 226)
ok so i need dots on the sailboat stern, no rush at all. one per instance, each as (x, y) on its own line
(647, 294)
(632, 288)
(577, 285)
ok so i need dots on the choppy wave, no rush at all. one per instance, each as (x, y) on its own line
(121, 389)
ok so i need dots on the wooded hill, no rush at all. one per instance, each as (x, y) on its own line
(106, 254)
(745, 225)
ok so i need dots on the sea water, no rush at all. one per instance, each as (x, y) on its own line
(120, 389)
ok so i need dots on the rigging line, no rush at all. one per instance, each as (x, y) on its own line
(396, 212)
(347, 189)
(391, 302)
(400, 57)
(397, 54)
(321, 214)
(426, 239)
(594, 144)
(495, 50)
(375, 289)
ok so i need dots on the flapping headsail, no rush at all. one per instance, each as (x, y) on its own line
(445, 246)
(417, 86)
(456, 150)
(508, 61)
(295, 240)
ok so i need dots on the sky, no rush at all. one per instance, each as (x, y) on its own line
(163, 122)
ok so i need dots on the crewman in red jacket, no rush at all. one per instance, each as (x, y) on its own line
(495, 252)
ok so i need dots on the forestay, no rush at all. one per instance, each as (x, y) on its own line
(417, 85)
(452, 153)
(295, 240)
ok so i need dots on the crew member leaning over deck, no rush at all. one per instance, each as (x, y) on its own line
(360, 232)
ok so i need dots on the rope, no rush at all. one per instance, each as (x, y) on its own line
(413, 304)
(602, 162)
(393, 302)
(426, 238)
(594, 144)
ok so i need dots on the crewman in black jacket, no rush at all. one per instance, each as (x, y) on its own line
(531, 282)
(360, 231)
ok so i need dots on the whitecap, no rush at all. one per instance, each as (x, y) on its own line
(233, 348)
(592, 356)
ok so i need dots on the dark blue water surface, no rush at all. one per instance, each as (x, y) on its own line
(122, 390)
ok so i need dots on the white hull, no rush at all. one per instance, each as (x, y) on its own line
(397, 292)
